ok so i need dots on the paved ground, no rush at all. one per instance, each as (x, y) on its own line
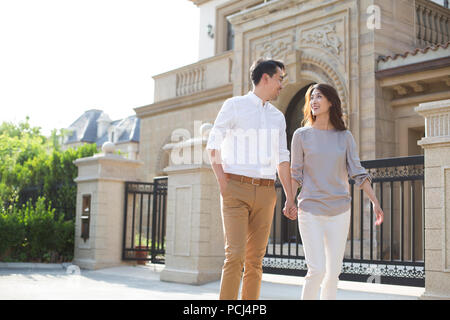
(142, 282)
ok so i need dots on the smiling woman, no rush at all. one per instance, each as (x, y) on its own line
(323, 158)
(321, 99)
(61, 58)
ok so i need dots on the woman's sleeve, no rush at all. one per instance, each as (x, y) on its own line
(297, 158)
(354, 168)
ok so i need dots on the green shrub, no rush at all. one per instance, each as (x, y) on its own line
(33, 233)
(12, 232)
(40, 229)
(64, 242)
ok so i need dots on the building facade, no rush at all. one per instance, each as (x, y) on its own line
(95, 126)
(383, 57)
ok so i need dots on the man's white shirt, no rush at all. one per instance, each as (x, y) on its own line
(251, 136)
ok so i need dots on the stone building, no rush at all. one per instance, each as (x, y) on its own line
(384, 58)
(95, 126)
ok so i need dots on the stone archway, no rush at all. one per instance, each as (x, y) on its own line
(307, 66)
(294, 113)
(314, 67)
(304, 68)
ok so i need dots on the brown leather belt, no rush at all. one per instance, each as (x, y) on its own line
(253, 181)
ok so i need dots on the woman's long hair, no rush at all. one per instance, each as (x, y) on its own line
(336, 116)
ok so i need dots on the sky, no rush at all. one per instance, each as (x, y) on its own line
(59, 58)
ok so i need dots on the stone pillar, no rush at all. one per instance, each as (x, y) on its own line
(100, 204)
(436, 146)
(194, 236)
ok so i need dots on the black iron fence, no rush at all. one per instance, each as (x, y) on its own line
(145, 221)
(391, 253)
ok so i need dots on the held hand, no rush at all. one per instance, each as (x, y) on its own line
(290, 210)
(294, 211)
(379, 214)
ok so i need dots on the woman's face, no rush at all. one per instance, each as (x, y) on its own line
(319, 103)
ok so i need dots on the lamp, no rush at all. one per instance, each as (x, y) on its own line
(210, 31)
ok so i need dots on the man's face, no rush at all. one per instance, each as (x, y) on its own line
(275, 84)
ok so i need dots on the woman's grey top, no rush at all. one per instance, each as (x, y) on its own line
(322, 161)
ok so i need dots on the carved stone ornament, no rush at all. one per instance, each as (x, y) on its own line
(325, 37)
(275, 50)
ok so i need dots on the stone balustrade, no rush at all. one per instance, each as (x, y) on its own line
(190, 81)
(432, 23)
(206, 74)
(437, 119)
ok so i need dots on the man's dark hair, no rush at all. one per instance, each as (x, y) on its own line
(261, 66)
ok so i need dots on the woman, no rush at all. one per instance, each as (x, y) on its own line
(324, 156)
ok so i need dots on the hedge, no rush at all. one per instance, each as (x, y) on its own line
(33, 233)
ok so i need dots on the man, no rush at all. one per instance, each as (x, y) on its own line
(247, 146)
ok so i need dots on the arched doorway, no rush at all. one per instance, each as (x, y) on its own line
(294, 113)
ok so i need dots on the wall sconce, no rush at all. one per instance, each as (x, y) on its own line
(210, 31)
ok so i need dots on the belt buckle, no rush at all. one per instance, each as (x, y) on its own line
(259, 181)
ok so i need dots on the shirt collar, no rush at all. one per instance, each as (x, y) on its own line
(257, 99)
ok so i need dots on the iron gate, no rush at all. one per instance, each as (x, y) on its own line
(145, 221)
(392, 253)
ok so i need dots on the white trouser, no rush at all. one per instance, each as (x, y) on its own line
(324, 239)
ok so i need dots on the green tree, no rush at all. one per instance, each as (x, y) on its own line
(37, 191)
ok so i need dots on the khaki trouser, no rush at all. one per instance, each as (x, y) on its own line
(247, 212)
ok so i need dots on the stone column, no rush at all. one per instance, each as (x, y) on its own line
(101, 181)
(436, 146)
(194, 236)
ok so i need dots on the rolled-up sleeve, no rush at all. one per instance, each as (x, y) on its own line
(354, 168)
(223, 122)
(297, 157)
(283, 150)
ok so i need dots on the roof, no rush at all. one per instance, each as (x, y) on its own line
(417, 55)
(84, 129)
(415, 52)
(127, 130)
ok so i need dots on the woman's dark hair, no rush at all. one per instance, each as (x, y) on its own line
(261, 66)
(336, 116)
